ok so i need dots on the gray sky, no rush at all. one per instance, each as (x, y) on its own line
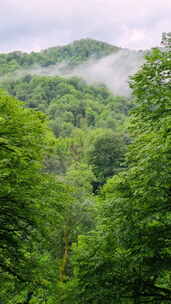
(36, 24)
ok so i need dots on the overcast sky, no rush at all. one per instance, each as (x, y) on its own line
(37, 24)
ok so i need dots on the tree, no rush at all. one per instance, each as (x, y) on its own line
(130, 253)
(142, 195)
(24, 142)
(105, 154)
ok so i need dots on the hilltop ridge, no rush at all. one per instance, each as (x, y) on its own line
(73, 54)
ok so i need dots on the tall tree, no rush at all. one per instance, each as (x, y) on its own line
(129, 257)
(24, 142)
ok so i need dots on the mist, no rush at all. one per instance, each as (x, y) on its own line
(113, 71)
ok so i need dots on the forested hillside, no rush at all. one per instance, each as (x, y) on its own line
(85, 182)
(82, 117)
(73, 54)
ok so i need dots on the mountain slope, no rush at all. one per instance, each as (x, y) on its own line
(72, 54)
(94, 61)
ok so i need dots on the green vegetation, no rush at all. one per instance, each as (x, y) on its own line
(70, 103)
(85, 192)
(73, 54)
(82, 117)
(127, 258)
(25, 140)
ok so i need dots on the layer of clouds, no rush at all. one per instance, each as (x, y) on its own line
(113, 71)
(34, 24)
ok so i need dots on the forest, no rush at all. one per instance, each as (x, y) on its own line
(85, 214)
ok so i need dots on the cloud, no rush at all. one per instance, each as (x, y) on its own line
(36, 24)
(113, 70)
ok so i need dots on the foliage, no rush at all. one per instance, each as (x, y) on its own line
(29, 199)
(71, 55)
(75, 108)
(128, 260)
(62, 240)
(70, 103)
(23, 144)
(105, 154)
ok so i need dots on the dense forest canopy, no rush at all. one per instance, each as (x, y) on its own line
(85, 182)
(93, 61)
(73, 54)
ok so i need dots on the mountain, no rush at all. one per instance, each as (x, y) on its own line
(94, 61)
(82, 220)
(72, 54)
